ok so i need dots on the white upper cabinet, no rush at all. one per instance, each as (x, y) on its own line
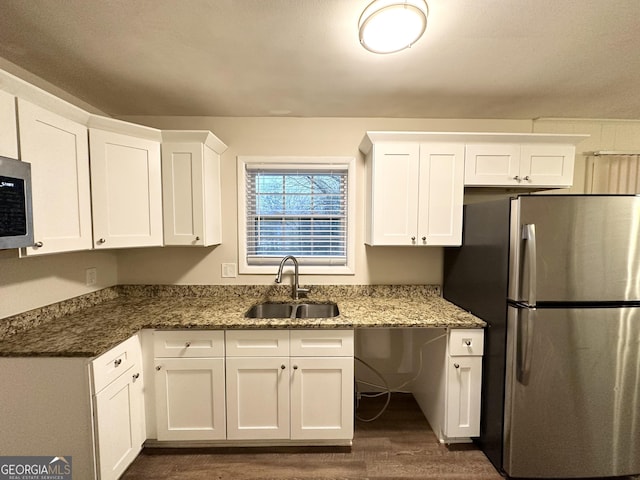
(57, 149)
(415, 193)
(126, 184)
(519, 165)
(191, 188)
(8, 126)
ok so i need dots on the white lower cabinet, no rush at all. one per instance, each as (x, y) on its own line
(119, 408)
(306, 395)
(449, 385)
(189, 385)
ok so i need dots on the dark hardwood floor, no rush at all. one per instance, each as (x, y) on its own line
(399, 445)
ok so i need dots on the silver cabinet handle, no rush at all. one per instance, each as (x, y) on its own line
(187, 345)
(282, 367)
(424, 239)
(456, 365)
(197, 238)
(159, 367)
(295, 367)
(117, 362)
(529, 236)
(527, 178)
(517, 178)
(136, 376)
(413, 239)
(467, 343)
(101, 241)
(38, 244)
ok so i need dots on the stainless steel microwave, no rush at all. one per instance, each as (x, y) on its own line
(16, 214)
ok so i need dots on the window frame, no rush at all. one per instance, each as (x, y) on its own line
(297, 162)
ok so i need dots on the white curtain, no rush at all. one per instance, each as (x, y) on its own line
(613, 173)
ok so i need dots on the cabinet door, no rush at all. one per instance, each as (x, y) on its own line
(126, 190)
(190, 398)
(393, 211)
(8, 126)
(257, 398)
(492, 164)
(321, 398)
(462, 418)
(183, 193)
(58, 151)
(441, 192)
(119, 411)
(547, 165)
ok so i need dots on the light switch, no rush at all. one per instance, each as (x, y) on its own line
(91, 276)
(229, 270)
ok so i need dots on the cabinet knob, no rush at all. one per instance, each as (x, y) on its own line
(159, 367)
(136, 376)
(424, 239)
(295, 367)
(413, 239)
(187, 345)
(467, 343)
(197, 238)
(101, 241)
(117, 362)
(282, 367)
(527, 178)
(516, 178)
(38, 244)
(456, 365)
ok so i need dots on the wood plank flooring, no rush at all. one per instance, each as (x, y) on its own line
(399, 445)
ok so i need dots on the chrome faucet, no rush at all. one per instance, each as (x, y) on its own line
(296, 290)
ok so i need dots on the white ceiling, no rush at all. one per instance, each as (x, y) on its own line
(478, 58)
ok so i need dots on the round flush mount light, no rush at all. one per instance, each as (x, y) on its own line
(388, 26)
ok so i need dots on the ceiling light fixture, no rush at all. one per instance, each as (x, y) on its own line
(388, 26)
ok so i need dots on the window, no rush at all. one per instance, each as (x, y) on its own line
(296, 206)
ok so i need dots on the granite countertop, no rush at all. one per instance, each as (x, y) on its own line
(90, 325)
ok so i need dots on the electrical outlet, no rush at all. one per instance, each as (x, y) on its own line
(91, 276)
(229, 270)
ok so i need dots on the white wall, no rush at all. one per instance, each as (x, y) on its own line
(293, 136)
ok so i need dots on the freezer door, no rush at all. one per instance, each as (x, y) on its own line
(575, 248)
(572, 405)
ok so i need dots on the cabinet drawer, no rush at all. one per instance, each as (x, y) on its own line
(468, 342)
(109, 366)
(188, 343)
(257, 343)
(321, 343)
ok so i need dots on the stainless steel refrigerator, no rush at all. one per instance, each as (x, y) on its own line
(557, 279)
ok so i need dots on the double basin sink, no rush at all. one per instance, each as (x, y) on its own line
(293, 310)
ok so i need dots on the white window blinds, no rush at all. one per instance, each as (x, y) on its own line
(298, 211)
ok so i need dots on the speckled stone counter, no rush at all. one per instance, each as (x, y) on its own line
(90, 325)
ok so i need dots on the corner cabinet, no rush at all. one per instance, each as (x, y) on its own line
(126, 184)
(191, 188)
(58, 151)
(119, 407)
(415, 193)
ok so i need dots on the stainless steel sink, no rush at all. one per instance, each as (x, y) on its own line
(293, 310)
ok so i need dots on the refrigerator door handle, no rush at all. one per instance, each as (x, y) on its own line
(529, 237)
(524, 344)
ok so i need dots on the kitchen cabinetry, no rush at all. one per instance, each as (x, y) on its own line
(448, 388)
(415, 193)
(8, 126)
(294, 385)
(191, 187)
(57, 149)
(119, 407)
(519, 165)
(189, 385)
(126, 184)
